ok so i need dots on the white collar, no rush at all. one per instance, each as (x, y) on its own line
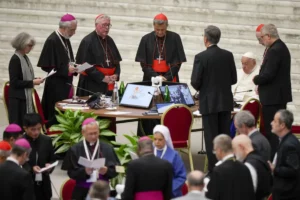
(251, 132)
(196, 192)
(163, 153)
(10, 158)
(224, 159)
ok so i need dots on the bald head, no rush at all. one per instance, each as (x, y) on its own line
(242, 146)
(195, 180)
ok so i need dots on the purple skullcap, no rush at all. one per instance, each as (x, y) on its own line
(12, 128)
(88, 121)
(67, 17)
(144, 138)
(23, 143)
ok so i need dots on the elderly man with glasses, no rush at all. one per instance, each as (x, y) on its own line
(99, 49)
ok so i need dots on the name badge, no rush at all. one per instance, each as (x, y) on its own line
(38, 177)
(93, 177)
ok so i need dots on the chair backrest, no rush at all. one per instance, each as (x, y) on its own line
(184, 189)
(254, 106)
(37, 105)
(5, 90)
(66, 189)
(270, 197)
(179, 119)
(296, 131)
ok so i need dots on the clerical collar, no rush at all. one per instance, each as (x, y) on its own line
(90, 143)
(12, 159)
(228, 157)
(251, 132)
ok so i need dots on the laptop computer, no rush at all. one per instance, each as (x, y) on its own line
(180, 94)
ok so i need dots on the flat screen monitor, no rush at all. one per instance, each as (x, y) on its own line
(180, 94)
(139, 96)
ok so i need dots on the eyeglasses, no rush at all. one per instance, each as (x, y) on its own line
(106, 25)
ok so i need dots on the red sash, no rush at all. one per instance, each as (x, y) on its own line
(106, 72)
(161, 67)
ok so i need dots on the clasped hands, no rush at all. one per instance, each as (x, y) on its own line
(102, 170)
(110, 79)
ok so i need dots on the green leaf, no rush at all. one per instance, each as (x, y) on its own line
(62, 120)
(57, 128)
(107, 132)
(115, 143)
(131, 139)
(54, 140)
(59, 112)
(76, 113)
(63, 148)
(104, 123)
(79, 122)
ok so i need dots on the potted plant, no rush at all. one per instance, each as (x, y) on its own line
(70, 129)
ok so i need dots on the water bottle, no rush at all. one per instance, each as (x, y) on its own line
(121, 90)
(115, 96)
(167, 94)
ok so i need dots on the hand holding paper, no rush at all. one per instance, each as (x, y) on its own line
(95, 164)
(50, 73)
(48, 167)
(83, 67)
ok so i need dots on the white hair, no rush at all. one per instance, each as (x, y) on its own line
(4, 153)
(66, 24)
(271, 30)
(91, 123)
(100, 18)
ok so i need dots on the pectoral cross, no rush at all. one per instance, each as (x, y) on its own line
(107, 61)
(159, 58)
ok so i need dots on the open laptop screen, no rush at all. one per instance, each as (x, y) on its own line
(180, 94)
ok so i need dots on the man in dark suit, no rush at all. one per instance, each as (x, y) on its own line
(259, 168)
(286, 163)
(42, 155)
(213, 74)
(244, 122)
(274, 79)
(15, 182)
(148, 176)
(230, 179)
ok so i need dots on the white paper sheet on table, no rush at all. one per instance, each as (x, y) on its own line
(83, 67)
(49, 167)
(95, 164)
(50, 73)
(117, 113)
(76, 106)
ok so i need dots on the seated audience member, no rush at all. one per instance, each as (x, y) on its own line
(148, 177)
(163, 148)
(11, 133)
(91, 147)
(245, 76)
(4, 151)
(42, 155)
(258, 167)
(99, 191)
(195, 184)
(286, 163)
(244, 122)
(230, 179)
(15, 182)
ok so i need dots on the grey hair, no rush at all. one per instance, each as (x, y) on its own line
(271, 30)
(91, 123)
(160, 22)
(99, 190)
(4, 153)
(22, 40)
(223, 142)
(195, 180)
(101, 18)
(66, 24)
(286, 117)
(244, 117)
(145, 146)
(213, 34)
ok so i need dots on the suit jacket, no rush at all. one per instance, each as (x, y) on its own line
(192, 196)
(15, 182)
(17, 84)
(213, 74)
(286, 183)
(42, 148)
(148, 173)
(230, 181)
(274, 79)
(261, 145)
(264, 175)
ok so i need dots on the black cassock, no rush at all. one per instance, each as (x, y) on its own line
(173, 53)
(91, 50)
(148, 50)
(42, 153)
(77, 172)
(230, 181)
(55, 56)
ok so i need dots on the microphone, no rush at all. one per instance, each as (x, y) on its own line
(243, 91)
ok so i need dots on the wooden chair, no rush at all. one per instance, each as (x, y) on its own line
(296, 131)
(66, 189)
(5, 90)
(253, 105)
(184, 189)
(270, 197)
(179, 119)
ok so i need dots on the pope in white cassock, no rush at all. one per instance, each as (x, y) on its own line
(245, 77)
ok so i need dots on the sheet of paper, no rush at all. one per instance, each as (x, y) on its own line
(49, 167)
(75, 106)
(83, 67)
(117, 113)
(120, 169)
(50, 73)
(95, 164)
(133, 155)
(197, 113)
